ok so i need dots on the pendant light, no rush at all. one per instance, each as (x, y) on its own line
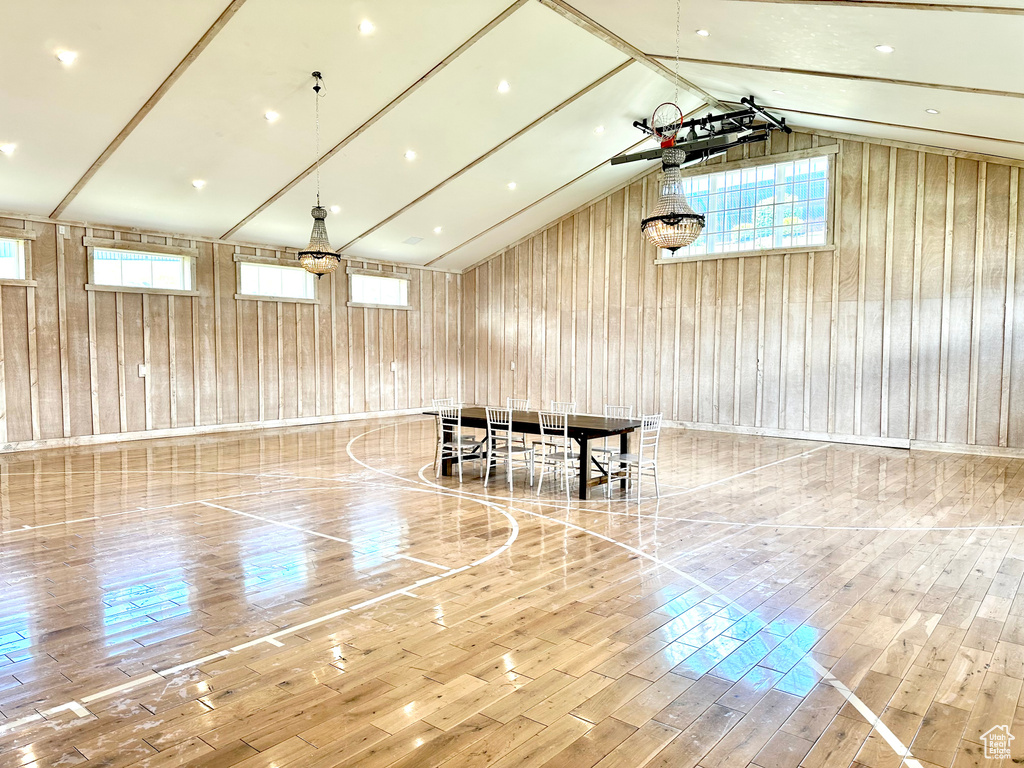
(318, 257)
(673, 224)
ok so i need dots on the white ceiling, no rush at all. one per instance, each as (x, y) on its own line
(470, 140)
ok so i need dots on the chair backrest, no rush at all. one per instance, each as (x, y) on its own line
(650, 429)
(514, 404)
(499, 423)
(557, 407)
(449, 417)
(618, 411)
(554, 429)
(441, 402)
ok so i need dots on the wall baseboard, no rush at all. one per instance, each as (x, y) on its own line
(209, 429)
(794, 434)
(972, 450)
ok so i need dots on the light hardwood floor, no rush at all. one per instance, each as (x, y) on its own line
(310, 598)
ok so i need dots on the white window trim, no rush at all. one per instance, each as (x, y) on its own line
(753, 162)
(26, 236)
(92, 243)
(378, 273)
(240, 259)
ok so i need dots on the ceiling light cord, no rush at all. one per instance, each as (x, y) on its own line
(675, 98)
(317, 87)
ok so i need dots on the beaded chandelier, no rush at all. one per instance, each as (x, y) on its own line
(318, 257)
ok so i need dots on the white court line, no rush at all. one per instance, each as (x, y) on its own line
(273, 638)
(276, 522)
(901, 750)
(421, 561)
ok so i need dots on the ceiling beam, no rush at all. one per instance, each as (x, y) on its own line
(897, 125)
(153, 100)
(550, 113)
(603, 33)
(545, 197)
(901, 6)
(437, 68)
(852, 77)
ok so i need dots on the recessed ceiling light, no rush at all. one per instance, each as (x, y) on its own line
(884, 48)
(437, 230)
(366, 27)
(271, 116)
(781, 93)
(335, 209)
(198, 183)
(503, 86)
(410, 154)
(511, 185)
(703, 33)
(7, 149)
(932, 111)
(66, 57)
(599, 130)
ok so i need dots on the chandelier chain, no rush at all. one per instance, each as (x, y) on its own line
(317, 158)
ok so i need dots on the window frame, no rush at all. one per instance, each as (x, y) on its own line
(831, 151)
(241, 259)
(26, 236)
(380, 273)
(93, 243)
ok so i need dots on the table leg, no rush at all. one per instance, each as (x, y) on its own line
(623, 448)
(448, 435)
(584, 469)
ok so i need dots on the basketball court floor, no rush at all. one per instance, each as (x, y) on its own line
(314, 597)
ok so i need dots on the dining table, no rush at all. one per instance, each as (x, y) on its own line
(583, 429)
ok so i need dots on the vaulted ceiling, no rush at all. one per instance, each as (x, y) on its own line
(163, 94)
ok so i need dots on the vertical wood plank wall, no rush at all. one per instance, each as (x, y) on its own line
(912, 329)
(70, 357)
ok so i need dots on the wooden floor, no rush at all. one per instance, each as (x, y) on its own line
(311, 598)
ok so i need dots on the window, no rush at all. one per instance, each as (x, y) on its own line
(766, 207)
(12, 259)
(138, 269)
(275, 281)
(378, 289)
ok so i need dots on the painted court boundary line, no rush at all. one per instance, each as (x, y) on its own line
(897, 746)
(77, 707)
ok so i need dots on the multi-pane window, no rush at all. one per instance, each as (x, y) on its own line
(139, 269)
(275, 281)
(12, 259)
(765, 207)
(380, 291)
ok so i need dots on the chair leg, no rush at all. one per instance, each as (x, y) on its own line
(657, 490)
(490, 460)
(459, 457)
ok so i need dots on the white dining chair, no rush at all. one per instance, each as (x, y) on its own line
(456, 448)
(613, 412)
(645, 461)
(470, 439)
(516, 404)
(502, 446)
(557, 407)
(554, 449)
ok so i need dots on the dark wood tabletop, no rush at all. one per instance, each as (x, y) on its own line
(581, 427)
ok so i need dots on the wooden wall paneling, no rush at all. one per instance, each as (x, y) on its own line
(227, 377)
(386, 347)
(850, 171)
(808, 341)
(706, 341)
(604, 371)
(302, 371)
(94, 384)
(874, 291)
(403, 353)
(796, 321)
(147, 346)
(537, 314)
(49, 390)
(737, 375)
(901, 292)
(79, 392)
(784, 313)
(318, 406)
(858, 395)
(566, 265)
(633, 271)
(965, 218)
(62, 319)
(184, 392)
(762, 309)
(725, 324)
(698, 287)
(668, 328)
(3, 375)
(197, 364)
(572, 310)
(214, 376)
(133, 343)
(16, 361)
(335, 337)
(356, 319)
(1009, 306)
(890, 230)
(647, 345)
(819, 351)
(159, 360)
(623, 314)
(947, 280)
(260, 358)
(1015, 406)
(289, 385)
(122, 378)
(773, 340)
(172, 361)
(915, 316)
(976, 305)
(993, 324)
(590, 404)
(445, 303)
(552, 315)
